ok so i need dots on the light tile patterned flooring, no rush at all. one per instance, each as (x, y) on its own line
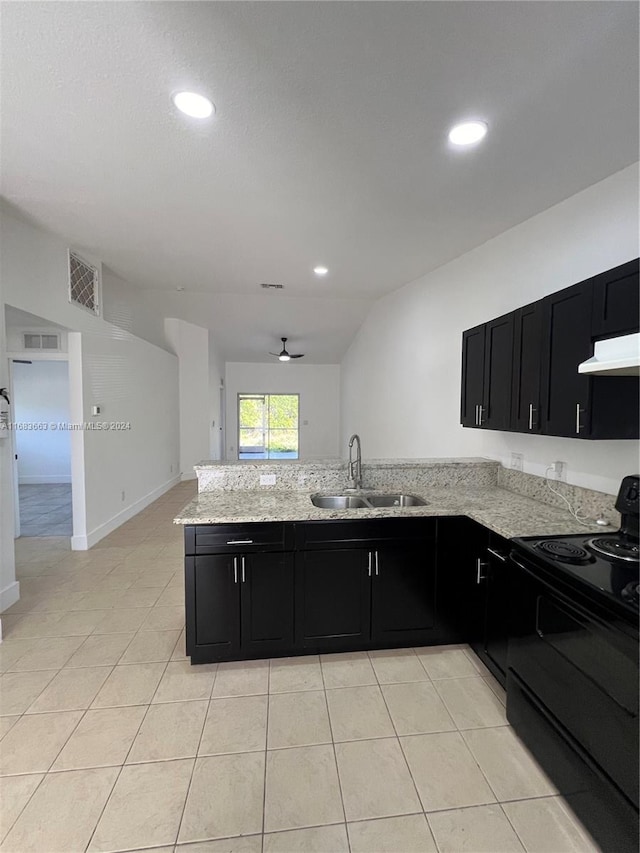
(111, 741)
(45, 509)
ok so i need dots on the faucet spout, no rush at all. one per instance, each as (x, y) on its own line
(355, 465)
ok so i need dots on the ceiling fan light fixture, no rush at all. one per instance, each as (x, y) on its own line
(320, 270)
(284, 356)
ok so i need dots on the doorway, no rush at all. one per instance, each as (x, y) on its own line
(42, 445)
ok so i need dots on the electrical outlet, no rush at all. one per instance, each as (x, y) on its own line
(267, 479)
(517, 460)
(560, 471)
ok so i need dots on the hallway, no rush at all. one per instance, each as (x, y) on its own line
(45, 510)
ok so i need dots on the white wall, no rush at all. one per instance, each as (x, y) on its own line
(319, 389)
(401, 376)
(216, 386)
(131, 378)
(41, 396)
(9, 587)
(135, 384)
(191, 344)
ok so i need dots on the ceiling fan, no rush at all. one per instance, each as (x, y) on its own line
(284, 355)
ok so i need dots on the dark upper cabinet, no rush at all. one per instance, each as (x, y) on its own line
(495, 410)
(473, 345)
(566, 343)
(616, 301)
(404, 594)
(333, 599)
(266, 598)
(527, 357)
(520, 371)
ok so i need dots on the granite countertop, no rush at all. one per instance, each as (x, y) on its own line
(505, 513)
(337, 463)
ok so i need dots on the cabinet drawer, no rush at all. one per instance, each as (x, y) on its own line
(236, 538)
(362, 534)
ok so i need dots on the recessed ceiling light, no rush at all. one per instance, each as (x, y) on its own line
(194, 105)
(320, 270)
(468, 133)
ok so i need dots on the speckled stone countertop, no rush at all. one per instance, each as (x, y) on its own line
(504, 512)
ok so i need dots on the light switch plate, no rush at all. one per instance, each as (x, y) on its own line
(267, 479)
(517, 460)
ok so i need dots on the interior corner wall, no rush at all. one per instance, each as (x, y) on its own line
(318, 386)
(191, 344)
(41, 396)
(216, 389)
(401, 376)
(135, 381)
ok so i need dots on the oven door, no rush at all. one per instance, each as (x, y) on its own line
(581, 668)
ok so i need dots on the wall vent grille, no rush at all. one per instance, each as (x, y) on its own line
(84, 284)
(35, 341)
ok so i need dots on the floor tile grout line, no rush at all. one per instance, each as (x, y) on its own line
(122, 766)
(335, 754)
(195, 761)
(513, 827)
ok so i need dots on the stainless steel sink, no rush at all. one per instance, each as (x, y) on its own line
(366, 501)
(339, 502)
(395, 500)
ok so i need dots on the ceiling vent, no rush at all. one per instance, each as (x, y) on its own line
(84, 284)
(268, 286)
(41, 342)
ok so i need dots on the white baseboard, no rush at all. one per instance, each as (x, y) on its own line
(43, 479)
(83, 543)
(9, 595)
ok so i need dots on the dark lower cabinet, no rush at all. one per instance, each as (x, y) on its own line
(403, 601)
(493, 647)
(238, 606)
(333, 599)
(266, 603)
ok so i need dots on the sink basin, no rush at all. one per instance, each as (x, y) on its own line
(339, 502)
(395, 500)
(366, 501)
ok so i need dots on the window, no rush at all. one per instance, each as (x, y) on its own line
(268, 426)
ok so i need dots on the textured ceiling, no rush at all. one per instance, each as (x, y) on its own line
(329, 142)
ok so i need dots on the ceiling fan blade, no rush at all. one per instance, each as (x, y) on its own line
(274, 353)
(300, 355)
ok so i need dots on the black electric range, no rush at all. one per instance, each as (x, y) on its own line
(608, 562)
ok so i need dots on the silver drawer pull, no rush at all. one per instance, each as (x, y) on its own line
(242, 559)
(235, 570)
(239, 541)
(480, 565)
(377, 564)
(369, 564)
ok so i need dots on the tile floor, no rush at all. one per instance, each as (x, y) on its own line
(111, 741)
(45, 510)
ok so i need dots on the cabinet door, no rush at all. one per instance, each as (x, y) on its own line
(496, 634)
(333, 599)
(266, 583)
(525, 409)
(616, 301)
(498, 370)
(473, 345)
(566, 343)
(216, 606)
(403, 603)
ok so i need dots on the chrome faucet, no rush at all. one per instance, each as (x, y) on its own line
(355, 466)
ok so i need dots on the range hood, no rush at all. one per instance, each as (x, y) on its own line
(614, 357)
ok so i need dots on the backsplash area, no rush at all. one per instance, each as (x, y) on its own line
(320, 475)
(585, 502)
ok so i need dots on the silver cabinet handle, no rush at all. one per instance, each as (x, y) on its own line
(239, 541)
(578, 424)
(479, 566)
(243, 570)
(477, 415)
(235, 570)
(480, 415)
(532, 409)
(377, 564)
(370, 562)
(496, 554)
